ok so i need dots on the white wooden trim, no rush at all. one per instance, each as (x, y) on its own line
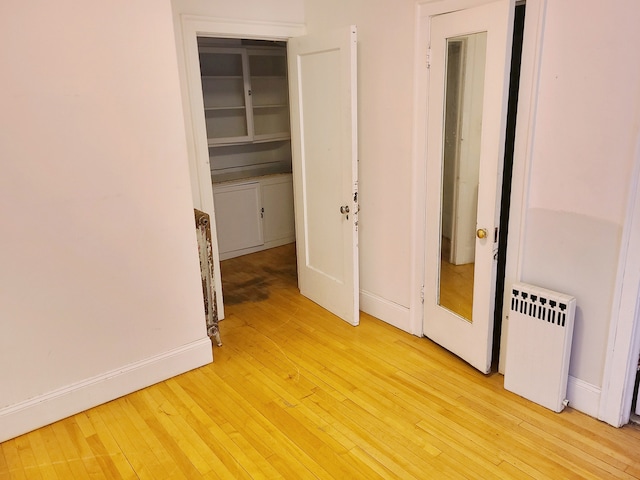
(623, 347)
(387, 311)
(191, 27)
(233, 28)
(583, 396)
(419, 168)
(52, 406)
(523, 153)
(429, 8)
(265, 246)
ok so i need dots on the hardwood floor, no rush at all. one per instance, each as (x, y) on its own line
(295, 393)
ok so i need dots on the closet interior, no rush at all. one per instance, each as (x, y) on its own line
(246, 109)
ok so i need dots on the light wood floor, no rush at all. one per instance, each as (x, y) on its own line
(295, 393)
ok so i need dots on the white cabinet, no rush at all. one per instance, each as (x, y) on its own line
(246, 109)
(269, 93)
(245, 94)
(277, 202)
(225, 93)
(238, 217)
(253, 215)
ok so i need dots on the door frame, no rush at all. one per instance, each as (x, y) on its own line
(530, 67)
(190, 27)
(623, 346)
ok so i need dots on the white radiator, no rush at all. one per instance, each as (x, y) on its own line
(539, 345)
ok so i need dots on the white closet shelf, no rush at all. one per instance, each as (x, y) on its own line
(218, 77)
(271, 138)
(239, 107)
(274, 105)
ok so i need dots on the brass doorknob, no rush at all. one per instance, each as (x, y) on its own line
(344, 209)
(481, 233)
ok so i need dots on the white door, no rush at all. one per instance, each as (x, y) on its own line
(239, 222)
(322, 77)
(470, 53)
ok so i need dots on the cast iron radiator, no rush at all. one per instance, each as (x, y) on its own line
(205, 251)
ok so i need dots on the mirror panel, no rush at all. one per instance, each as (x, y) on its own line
(464, 84)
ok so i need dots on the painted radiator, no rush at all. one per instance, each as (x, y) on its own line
(205, 252)
(539, 345)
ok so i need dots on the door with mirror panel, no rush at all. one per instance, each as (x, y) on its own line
(468, 92)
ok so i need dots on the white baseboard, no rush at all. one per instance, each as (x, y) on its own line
(390, 312)
(61, 403)
(265, 246)
(583, 396)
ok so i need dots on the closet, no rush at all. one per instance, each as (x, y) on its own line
(246, 109)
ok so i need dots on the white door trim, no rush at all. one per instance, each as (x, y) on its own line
(192, 26)
(523, 153)
(623, 346)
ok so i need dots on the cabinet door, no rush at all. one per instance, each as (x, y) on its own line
(269, 93)
(225, 93)
(277, 201)
(238, 212)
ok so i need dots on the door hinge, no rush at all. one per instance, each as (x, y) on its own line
(422, 295)
(428, 57)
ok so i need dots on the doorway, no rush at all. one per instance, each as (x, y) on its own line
(319, 65)
(246, 110)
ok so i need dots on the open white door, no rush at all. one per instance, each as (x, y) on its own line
(322, 78)
(470, 53)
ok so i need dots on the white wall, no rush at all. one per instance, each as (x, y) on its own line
(385, 114)
(587, 126)
(99, 287)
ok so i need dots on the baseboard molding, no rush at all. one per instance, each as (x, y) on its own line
(583, 396)
(265, 246)
(61, 403)
(390, 312)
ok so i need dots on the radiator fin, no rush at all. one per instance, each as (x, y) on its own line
(540, 331)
